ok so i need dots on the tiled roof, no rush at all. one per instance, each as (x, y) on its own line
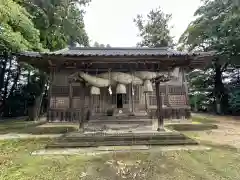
(78, 51)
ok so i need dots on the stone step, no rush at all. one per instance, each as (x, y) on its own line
(120, 143)
(126, 138)
(121, 121)
(122, 117)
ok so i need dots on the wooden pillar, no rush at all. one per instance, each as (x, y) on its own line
(186, 88)
(146, 101)
(159, 107)
(90, 109)
(51, 78)
(81, 120)
(132, 98)
(70, 113)
(129, 98)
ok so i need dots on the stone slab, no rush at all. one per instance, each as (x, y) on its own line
(27, 136)
(107, 149)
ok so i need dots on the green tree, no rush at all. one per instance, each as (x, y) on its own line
(36, 25)
(96, 44)
(60, 22)
(154, 30)
(17, 31)
(217, 27)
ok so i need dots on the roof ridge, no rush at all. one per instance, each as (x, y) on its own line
(118, 48)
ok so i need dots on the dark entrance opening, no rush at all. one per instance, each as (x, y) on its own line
(119, 101)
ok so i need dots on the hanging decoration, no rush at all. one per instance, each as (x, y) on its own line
(121, 89)
(109, 78)
(95, 90)
(110, 90)
(147, 86)
(95, 81)
(120, 77)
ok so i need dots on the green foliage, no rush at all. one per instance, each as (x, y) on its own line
(17, 31)
(234, 100)
(96, 44)
(34, 25)
(154, 30)
(216, 27)
(60, 22)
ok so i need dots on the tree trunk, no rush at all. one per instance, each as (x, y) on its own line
(37, 104)
(219, 90)
(3, 67)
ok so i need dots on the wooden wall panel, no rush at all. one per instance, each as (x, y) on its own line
(60, 91)
(61, 79)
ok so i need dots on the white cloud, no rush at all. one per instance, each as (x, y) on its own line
(111, 21)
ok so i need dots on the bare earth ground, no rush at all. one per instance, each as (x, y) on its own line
(228, 132)
(219, 163)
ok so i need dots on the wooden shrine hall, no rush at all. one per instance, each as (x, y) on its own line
(98, 83)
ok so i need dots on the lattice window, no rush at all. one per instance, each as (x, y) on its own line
(177, 100)
(96, 103)
(137, 93)
(59, 102)
(125, 99)
(153, 98)
(176, 90)
(60, 90)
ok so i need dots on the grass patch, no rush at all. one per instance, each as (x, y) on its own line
(203, 120)
(17, 126)
(16, 163)
(191, 127)
(49, 130)
(32, 127)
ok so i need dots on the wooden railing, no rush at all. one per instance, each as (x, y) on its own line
(172, 112)
(64, 115)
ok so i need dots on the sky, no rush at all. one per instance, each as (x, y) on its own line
(111, 21)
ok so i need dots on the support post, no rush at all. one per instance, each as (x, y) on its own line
(159, 106)
(146, 102)
(132, 98)
(90, 109)
(81, 120)
(70, 100)
(51, 78)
